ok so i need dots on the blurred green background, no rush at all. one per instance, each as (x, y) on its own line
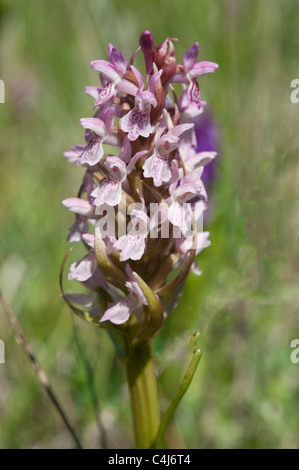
(246, 391)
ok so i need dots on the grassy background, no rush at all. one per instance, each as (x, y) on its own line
(245, 393)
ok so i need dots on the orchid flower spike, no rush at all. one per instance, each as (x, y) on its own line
(138, 211)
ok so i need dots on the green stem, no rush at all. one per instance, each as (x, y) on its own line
(143, 392)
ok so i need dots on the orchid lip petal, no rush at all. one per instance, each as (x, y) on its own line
(131, 247)
(117, 314)
(136, 123)
(83, 269)
(157, 167)
(105, 94)
(193, 94)
(93, 152)
(109, 192)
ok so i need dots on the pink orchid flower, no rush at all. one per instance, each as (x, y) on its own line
(101, 132)
(83, 209)
(83, 270)
(143, 117)
(192, 70)
(137, 121)
(183, 245)
(132, 245)
(178, 210)
(157, 165)
(112, 74)
(192, 159)
(109, 190)
(121, 311)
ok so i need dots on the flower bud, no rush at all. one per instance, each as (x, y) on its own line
(146, 42)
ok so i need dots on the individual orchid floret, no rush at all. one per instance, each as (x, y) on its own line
(187, 243)
(193, 178)
(109, 190)
(184, 245)
(83, 270)
(193, 160)
(114, 72)
(79, 227)
(96, 281)
(132, 245)
(179, 210)
(137, 121)
(157, 165)
(101, 131)
(190, 106)
(192, 70)
(84, 211)
(121, 311)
